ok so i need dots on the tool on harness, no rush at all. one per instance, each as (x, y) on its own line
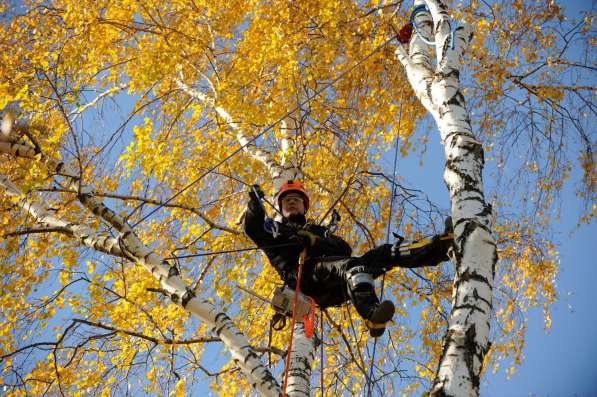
(282, 302)
(333, 225)
(271, 226)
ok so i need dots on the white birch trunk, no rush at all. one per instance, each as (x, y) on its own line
(85, 235)
(278, 172)
(131, 247)
(467, 339)
(301, 362)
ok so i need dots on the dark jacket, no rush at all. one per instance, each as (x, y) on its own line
(283, 253)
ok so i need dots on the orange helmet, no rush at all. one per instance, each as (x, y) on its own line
(292, 186)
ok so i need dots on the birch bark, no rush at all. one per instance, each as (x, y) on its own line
(466, 341)
(301, 361)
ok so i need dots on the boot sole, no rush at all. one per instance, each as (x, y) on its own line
(381, 315)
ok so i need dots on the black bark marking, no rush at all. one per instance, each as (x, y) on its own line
(487, 211)
(174, 297)
(469, 228)
(442, 8)
(173, 271)
(428, 86)
(468, 306)
(469, 275)
(186, 298)
(456, 99)
(445, 49)
(250, 355)
(470, 183)
(473, 147)
(455, 73)
(470, 347)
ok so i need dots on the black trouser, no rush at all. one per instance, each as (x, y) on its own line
(376, 262)
(329, 274)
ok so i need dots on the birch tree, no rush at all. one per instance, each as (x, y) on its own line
(436, 84)
(132, 132)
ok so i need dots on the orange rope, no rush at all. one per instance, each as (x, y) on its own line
(294, 305)
(321, 341)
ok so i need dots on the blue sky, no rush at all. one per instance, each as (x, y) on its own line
(559, 363)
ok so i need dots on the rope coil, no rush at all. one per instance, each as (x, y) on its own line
(423, 8)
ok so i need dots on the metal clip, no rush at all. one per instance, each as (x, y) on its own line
(271, 226)
(333, 225)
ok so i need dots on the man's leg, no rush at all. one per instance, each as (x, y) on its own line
(425, 252)
(361, 291)
(364, 299)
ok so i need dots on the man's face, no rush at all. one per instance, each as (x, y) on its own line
(292, 204)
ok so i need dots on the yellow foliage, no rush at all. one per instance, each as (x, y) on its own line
(256, 60)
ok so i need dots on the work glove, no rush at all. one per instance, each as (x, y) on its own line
(256, 193)
(306, 238)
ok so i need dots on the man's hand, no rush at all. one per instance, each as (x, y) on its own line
(306, 238)
(256, 193)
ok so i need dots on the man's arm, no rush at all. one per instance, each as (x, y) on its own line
(254, 219)
(332, 245)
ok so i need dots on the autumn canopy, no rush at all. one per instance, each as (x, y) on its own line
(132, 131)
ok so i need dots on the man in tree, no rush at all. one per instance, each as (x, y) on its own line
(331, 276)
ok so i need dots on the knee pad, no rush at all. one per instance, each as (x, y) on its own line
(356, 276)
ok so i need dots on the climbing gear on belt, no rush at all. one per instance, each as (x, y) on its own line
(282, 302)
(333, 225)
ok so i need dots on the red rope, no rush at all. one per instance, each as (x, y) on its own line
(294, 305)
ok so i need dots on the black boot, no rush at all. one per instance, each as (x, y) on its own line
(430, 251)
(363, 297)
